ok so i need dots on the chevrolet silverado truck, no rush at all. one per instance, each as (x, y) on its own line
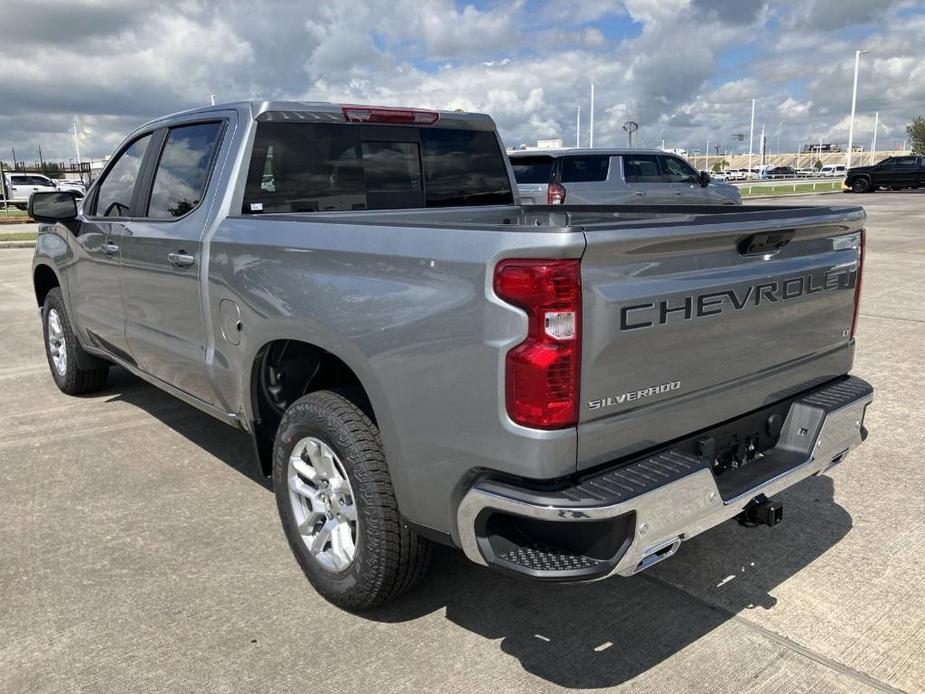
(563, 392)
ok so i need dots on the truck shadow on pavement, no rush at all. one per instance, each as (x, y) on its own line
(607, 633)
(583, 635)
(231, 446)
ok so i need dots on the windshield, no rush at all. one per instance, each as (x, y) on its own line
(532, 169)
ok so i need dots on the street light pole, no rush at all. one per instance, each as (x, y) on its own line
(591, 137)
(578, 129)
(854, 101)
(751, 141)
(873, 144)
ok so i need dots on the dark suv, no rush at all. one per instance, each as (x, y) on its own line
(895, 173)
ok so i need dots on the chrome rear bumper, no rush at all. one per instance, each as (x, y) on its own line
(666, 498)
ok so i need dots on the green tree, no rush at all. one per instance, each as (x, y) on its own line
(916, 133)
(719, 165)
(818, 164)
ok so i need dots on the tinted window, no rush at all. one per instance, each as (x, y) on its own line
(183, 169)
(19, 180)
(297, 167)
(392, 166)
(677, 171)
(464, 167)
(532, 169)
(304, 168)
(641, 168)
(40, 181)
(585, 169)
(115, 192)
(905, 162)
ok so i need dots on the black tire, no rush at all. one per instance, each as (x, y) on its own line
(860, 185)
(389, 557)
(73, 380)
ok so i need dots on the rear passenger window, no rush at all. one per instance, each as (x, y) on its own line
(183, 169)
(585, 169)
(114, 198)
(641, 168)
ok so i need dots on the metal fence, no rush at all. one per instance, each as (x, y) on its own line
(792, 186)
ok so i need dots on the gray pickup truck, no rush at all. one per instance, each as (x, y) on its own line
(563, 392)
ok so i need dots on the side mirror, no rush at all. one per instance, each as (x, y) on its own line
(53, 206)
(704, 179)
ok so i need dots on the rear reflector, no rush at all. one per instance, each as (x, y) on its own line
(542, 372)
(386, 114)
(857, 284)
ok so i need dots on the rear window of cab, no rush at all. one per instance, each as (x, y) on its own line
(533, 169)
(320, 167)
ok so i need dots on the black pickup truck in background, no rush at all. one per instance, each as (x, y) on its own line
(894, 173)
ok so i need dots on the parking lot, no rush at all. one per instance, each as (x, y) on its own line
(139, 554)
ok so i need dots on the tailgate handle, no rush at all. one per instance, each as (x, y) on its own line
(765, 242)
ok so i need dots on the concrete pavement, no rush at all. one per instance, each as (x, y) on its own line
(138, 554)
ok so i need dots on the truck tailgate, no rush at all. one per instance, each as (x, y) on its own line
(690, 324)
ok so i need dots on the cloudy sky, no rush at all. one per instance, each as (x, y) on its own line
(685, 69)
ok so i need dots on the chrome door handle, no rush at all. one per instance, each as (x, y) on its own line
(110, 249)
(640, 193)
(677, 192)
(180, 259)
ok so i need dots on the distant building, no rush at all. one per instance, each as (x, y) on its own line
(540, 144)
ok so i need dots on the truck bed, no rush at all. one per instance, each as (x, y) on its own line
(582, 217)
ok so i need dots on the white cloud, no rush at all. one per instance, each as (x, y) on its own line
(116, 63)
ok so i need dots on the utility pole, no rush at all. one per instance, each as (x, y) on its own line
(41, 159)
(854, 101)
(873, 144)
(578, 129)
(751, 140)
(13, 150)
(706, 160)
(591, 138)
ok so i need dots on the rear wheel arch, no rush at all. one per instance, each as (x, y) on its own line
(283, 371)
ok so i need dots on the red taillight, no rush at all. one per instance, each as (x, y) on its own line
(857, 284)
(542, 371)
(387, 114)
(555, 194)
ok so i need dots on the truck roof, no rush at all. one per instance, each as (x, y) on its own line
(301, 110)
(611, 151)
